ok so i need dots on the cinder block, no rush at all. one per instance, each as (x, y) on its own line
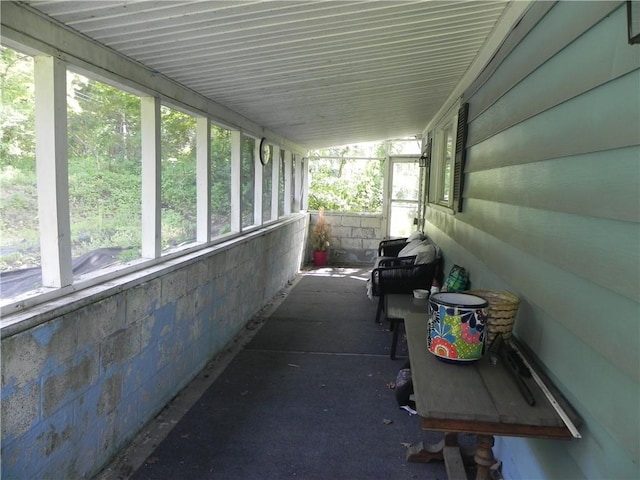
(41, 452)
(171, 347)
(20, 410)
(341, 231)
(78, 375)
(140, 369)
(126, 416)
(358, 233)
(146, 329)
(185, 307)
(142, 299)
(174, 286)
(352, 243)
(100, 320)
(196, 328)
(110, 394)
(198, 273)
(217, 264)
(120, 347)
(350, 221)
(32, 353)
(58, 337)
(368, 233)
(22, 360)
(371, 222)
(165, 320)
(105, 434)
(231, 261)
(371, 244)
(204, 295)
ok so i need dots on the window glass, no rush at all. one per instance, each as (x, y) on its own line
(178, 188)
(19, 232)
(447, 163)
(247, 161)
(404, 201)
(405, 181)
(220, 181)
(348, 185)
(104, 173)
(267, 187)
(401, 218)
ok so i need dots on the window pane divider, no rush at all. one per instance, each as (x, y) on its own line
(151, 171)
(287, 182)
(52, 170)
(203, 179)
(257, 182)
(275, 181)
(236, 178)
(297, 194)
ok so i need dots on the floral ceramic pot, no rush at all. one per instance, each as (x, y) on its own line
(457, 324)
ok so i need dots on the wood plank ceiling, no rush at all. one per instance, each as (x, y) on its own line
(320, 73)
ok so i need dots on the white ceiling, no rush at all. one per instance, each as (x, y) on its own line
(320, 73)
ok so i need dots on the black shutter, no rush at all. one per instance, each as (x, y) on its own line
(458, 172)
(427, 152)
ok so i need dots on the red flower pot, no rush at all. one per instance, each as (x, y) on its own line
(320, 259)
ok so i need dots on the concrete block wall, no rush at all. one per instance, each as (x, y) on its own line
(91, 369)
(354, 237)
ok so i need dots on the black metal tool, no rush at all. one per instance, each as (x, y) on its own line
(501, 350)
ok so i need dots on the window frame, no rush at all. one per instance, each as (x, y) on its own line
(62, 282)
(456, 120)
(438, 157)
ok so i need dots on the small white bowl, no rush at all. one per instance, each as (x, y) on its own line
(420, 293)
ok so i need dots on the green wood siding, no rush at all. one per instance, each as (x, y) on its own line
(551, 211)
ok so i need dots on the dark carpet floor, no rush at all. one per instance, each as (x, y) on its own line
(307, 398)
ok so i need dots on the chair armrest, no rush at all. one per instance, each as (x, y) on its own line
(390, 248)
(397, 261)
(403, 278)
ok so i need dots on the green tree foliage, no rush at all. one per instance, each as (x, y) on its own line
(178, 180)
(247, 170)
(104, 165)
(220, 180)
(104, 147)
(17, 116)
(103, 123)
(348, 179)
(20, 244)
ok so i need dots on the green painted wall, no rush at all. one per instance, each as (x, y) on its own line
(551, 210)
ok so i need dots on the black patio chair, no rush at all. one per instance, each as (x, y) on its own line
(392, 247)
(401, 275)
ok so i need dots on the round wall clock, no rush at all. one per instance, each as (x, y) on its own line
(265, 152)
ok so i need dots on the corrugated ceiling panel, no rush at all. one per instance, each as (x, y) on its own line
(317, 72)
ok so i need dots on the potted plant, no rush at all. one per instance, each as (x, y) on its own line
(320, 239)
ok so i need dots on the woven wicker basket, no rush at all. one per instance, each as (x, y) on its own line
(502, 310)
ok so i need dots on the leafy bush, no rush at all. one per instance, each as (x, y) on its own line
(346, 185)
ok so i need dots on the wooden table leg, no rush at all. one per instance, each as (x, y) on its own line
(425, 453)
(484, 457)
